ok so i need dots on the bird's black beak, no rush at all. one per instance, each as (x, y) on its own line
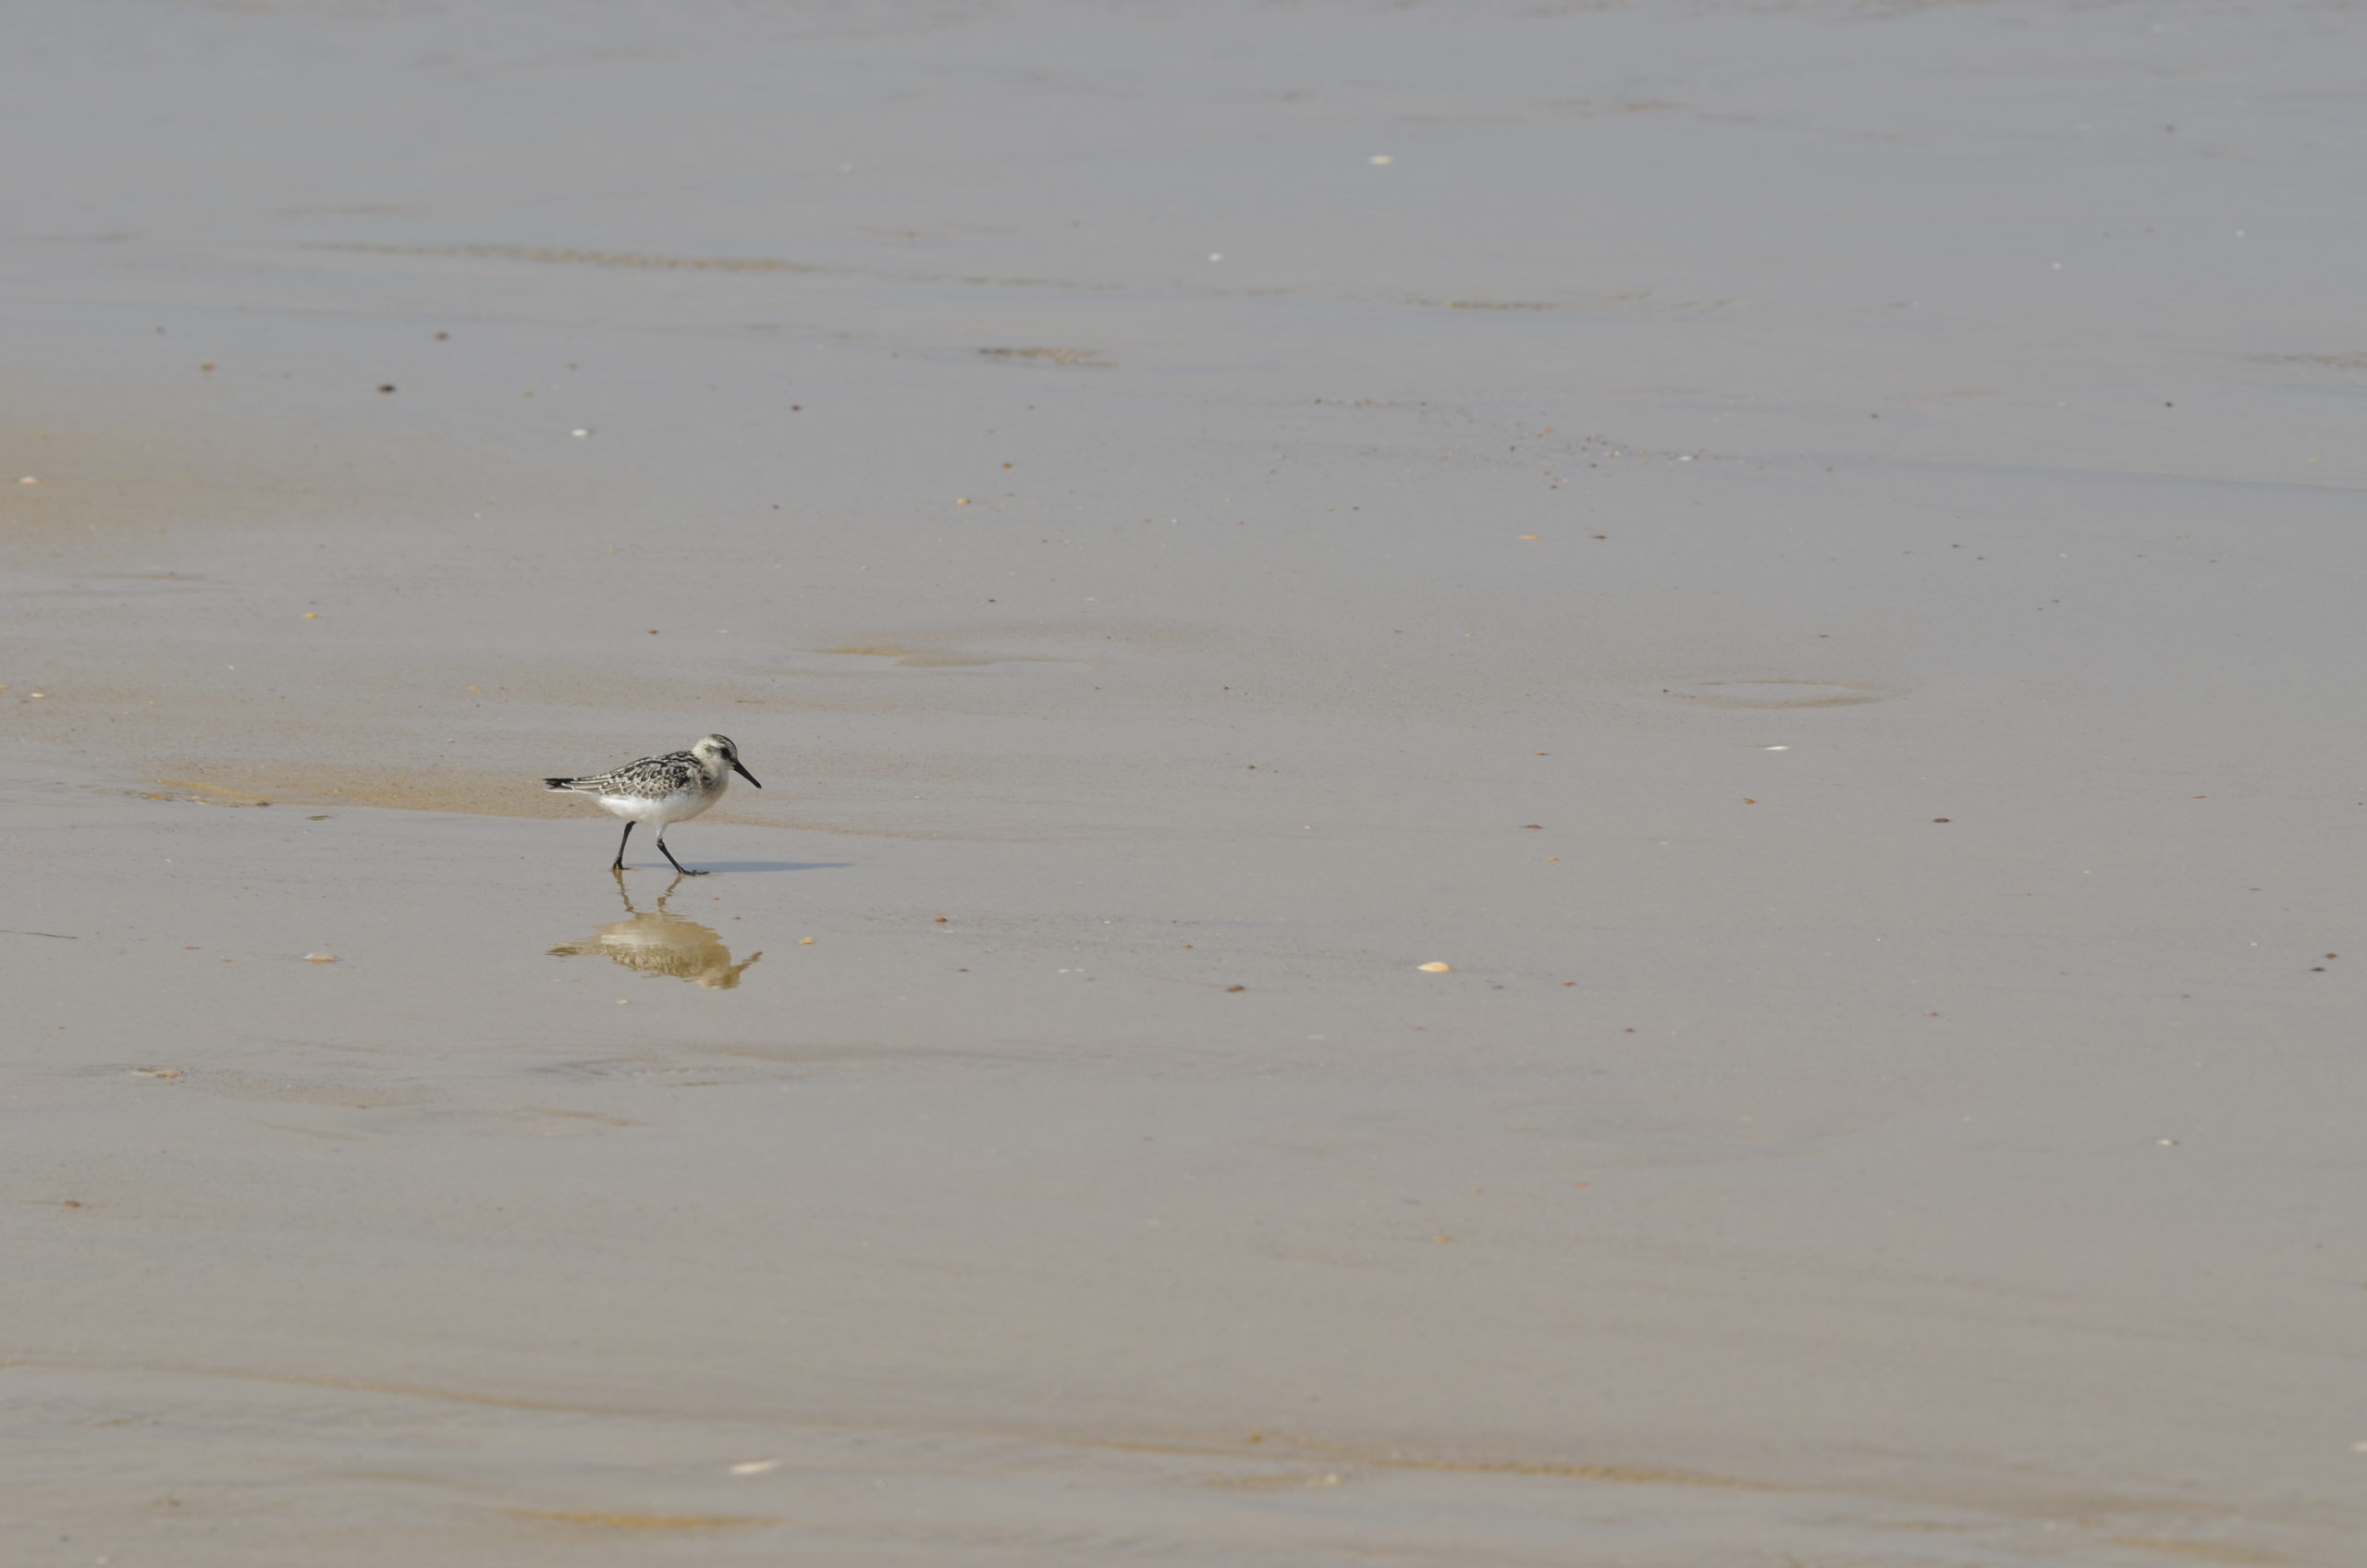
(744, 772)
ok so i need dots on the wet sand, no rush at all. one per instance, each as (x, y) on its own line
(1809, 555)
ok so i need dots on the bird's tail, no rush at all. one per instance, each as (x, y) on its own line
(560, 783)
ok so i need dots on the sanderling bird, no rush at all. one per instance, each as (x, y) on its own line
(665, 790)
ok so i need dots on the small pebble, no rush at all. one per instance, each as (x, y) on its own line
(320, 958)
(1437, 968)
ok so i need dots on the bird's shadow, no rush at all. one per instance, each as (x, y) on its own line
(759, 865)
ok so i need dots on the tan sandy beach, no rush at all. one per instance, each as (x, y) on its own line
(1809, 555)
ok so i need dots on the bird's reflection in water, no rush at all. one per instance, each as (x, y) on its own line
(654, 942)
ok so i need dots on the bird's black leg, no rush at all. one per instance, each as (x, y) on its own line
(670, 855)
(620, 849)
